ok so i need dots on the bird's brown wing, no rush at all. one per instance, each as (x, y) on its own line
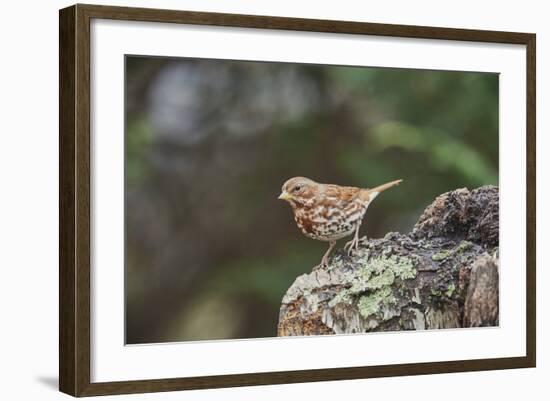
(343, 196)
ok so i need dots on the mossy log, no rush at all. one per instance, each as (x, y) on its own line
(444, 274)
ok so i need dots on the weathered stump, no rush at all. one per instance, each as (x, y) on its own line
(444, 274)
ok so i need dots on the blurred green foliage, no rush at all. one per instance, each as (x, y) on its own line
(210, 251)
(139, 137)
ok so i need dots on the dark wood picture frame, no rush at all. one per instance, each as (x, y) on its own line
(74, 204)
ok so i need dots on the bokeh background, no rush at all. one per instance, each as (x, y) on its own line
(210, 251)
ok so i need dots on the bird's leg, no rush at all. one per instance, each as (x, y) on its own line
(353, 245)
(324, 261)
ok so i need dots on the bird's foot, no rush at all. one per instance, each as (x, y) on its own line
(324, 260)
(352, 246)
(347, 246)
(322, 265)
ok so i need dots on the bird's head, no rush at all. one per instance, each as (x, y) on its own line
(298, 190)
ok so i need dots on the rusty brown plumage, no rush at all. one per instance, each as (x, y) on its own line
(328, 212)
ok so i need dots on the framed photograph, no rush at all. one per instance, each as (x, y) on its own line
(251, 200)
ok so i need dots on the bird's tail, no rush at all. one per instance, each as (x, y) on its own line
(370, 193)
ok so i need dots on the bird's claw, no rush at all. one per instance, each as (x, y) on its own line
(352, 246)
(349, 247)
(322, 265)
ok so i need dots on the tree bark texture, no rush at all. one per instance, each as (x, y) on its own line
(443, 274)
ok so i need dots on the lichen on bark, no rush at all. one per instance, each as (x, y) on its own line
(444, 274)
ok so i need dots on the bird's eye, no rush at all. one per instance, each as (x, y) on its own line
(297, 188)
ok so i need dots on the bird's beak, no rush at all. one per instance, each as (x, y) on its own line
(285, 196)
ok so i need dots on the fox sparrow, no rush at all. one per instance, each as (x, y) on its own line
(327, 212)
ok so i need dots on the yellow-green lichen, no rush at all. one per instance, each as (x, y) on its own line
(459, 250)
(385, 278)
(381, 271)
(450, 290)
(463, 246)
(371, 304)
(372, 281)
(441, 255)
(343, 297)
